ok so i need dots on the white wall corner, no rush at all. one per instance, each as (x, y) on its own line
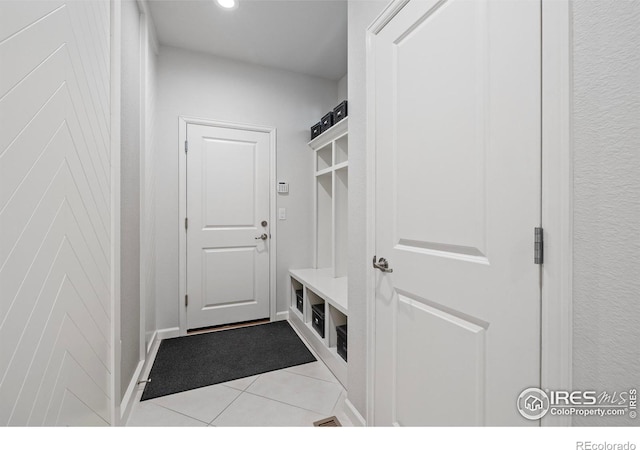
(152, 341)
(130, 395)
(557, 205)
(143, 5)
(167, 333)
(115, 60)
(354, 415)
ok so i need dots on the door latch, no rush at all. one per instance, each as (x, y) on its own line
(382, 265)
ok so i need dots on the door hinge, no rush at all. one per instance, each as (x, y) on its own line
(186, 146)
(538, 246)
(186, 223)
(186, 300)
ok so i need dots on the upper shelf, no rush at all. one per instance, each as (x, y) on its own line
(331, 134)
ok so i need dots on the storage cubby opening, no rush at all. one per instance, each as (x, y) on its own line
(316, 316)
(336, 318)
(324, 253)
(324, 158)
(297, 296)
(342, 149)
(341, 222)
(313, 299)
(296, 285)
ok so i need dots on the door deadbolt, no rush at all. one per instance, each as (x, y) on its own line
(264, 223)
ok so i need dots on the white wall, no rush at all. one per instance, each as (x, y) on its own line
(343, 91)
(200, 85)
(606, 136)
(148, 184)
(130, 194)
(55, 213)
(361, 14)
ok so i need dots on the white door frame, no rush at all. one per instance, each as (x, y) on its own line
(557, 201)
(183, 122)
(115, 116)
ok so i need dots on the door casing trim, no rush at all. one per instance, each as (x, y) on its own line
(183, 121)
(557, 202)
(115, 42)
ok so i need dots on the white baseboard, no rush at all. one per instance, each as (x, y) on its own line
(151, 356)
(167, 333)
(129, 395)
(154, 336)
(134, 391)
(284, 315)
(353, 414)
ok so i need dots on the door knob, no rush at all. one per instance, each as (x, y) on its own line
(263, 237)
(382, 265)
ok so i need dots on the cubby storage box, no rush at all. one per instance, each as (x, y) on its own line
(316, 130)
(340, 112)
(299, 300)
(317, 318)
(341, 343)
(327, 121)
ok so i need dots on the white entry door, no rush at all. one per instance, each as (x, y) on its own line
(227, 244)
(457, 141)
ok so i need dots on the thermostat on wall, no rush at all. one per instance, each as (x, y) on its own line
(283, 187)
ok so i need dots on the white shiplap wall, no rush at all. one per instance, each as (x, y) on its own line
(55, 213)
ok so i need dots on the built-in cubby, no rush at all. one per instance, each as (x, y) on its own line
(341, 150)
(331, 199)
(321, 288)
(316, 319)
(324, 225)
(297, 289)
(340, 219)
(335, 318)
(326, 282)
(324, 158)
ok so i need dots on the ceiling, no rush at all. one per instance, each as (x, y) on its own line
(305, 36)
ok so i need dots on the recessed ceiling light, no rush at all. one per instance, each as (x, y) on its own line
(228, 4)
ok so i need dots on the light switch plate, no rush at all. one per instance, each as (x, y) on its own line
(282, 213)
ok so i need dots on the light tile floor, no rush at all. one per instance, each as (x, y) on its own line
(296, 396)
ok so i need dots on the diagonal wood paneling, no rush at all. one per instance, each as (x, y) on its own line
(54, 213)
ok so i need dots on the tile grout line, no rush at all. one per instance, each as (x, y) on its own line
(337, 400)
(240, 392)
(178, 412)
(199, 420)
(237, 397)
(309, 376)
(251, 384)
(235, 388)
(288, 404)
(226, 407)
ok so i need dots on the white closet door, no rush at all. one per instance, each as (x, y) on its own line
(457, 140)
